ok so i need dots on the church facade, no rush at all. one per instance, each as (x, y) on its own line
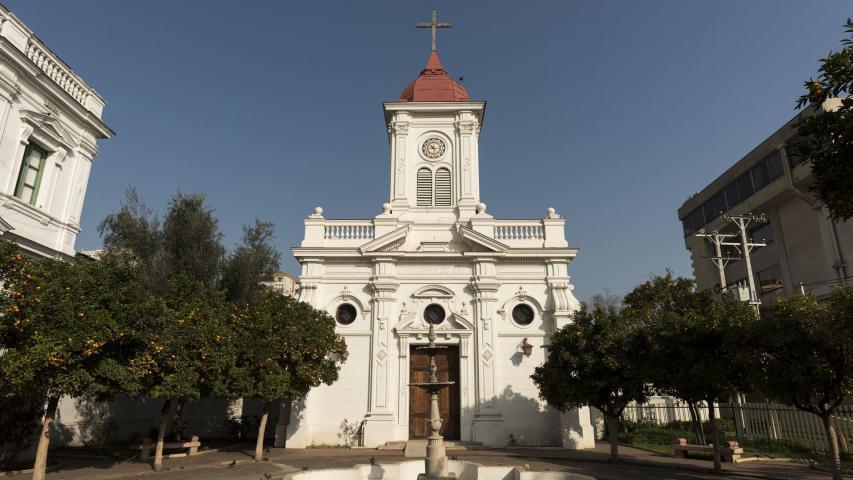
(495, 290)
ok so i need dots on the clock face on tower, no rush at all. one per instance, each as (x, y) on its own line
(433, 148)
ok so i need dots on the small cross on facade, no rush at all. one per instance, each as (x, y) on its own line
(433, 25)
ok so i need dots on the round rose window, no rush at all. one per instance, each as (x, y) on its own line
(434, 314)
(522, 314)
(346, 314)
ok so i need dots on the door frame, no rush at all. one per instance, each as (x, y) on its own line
(457, 359)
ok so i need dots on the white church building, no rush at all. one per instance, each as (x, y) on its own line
(496, 289)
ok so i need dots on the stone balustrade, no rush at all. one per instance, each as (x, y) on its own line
(58, 72)
(519, 230)
(530, 233)
(348, 230)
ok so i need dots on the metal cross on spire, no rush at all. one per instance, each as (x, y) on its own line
(433, 25)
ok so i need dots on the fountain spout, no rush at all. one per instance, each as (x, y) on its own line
(436, 459)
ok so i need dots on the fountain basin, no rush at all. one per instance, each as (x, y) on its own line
(410, 470)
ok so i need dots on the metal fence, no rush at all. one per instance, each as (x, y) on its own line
(663, 411)
(777, 422)
(754, 421)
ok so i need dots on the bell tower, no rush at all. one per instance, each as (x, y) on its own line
(433, 132)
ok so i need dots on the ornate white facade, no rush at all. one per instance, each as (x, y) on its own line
(501, 284)
(50, 122)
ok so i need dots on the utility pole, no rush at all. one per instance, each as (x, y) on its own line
(717, 239)
(742, 222)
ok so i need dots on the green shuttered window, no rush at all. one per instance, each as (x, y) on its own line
(29, 178)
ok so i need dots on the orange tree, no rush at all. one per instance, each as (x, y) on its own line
(69, 328)
(826, 137)
(591, 361)
(186, 348)
(803, 351)
(282, 348)
(180, 258)
(693, 346)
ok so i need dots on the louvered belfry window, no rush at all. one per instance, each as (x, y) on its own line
(442, 187)
(424, 187)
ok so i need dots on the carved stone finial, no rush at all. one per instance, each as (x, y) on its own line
(481, 207)
(552, 213)
(318, 212)
(386, 208)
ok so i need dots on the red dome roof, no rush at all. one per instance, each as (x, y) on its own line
(434, 85)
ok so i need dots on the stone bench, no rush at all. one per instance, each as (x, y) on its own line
(147, 448)
(729, 451)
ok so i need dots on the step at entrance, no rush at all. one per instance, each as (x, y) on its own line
(398, 446)
(417, 448)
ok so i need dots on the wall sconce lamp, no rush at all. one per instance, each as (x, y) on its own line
(526, 347)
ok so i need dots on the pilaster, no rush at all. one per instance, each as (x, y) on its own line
(309, 280)
(576, 432)
(561, 300)
(488, 420)
(467, 162)
(383, 285)
(398, 132)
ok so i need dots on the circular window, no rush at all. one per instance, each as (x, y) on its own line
(523, 314)
(346, 314)
(434, 314)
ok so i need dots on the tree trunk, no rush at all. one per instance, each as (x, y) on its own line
(715, 434)
(834, 457)
(613, 429)
(696, 418)
(40, 466)
(178, 420)
(262, 429)
(161, 433)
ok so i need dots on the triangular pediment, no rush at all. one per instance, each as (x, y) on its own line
(386, 242)
(477, 239)
(49, 125)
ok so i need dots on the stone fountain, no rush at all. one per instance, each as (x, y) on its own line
(436, 458)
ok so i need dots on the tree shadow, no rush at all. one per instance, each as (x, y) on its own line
(525, 420)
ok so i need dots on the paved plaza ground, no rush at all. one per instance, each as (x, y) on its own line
(237, 464)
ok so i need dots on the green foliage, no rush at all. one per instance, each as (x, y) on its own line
(283, 349)
(659, 437)
(188, 242)
(185, 342)
(826, 138)
(136, 230)
(256, 259)
(804, 350)
(187, 346)
(692, 344)
(191, 238)
(20, 417)
(64, 326)
(591, 361)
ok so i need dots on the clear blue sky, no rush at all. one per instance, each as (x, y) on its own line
(611, 112)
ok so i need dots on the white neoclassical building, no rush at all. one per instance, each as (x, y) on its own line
(496, 289)
(50, 122)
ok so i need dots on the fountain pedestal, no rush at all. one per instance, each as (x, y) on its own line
(435, 462)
